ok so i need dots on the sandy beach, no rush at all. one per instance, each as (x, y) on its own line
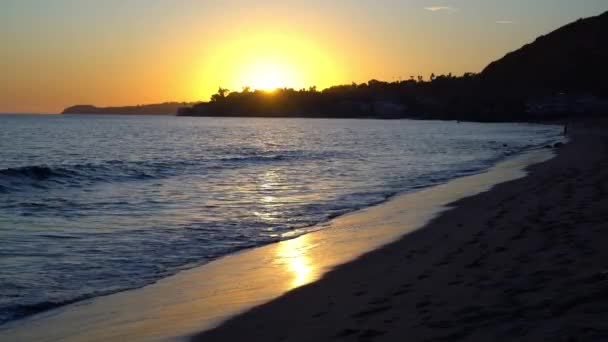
(524, 261)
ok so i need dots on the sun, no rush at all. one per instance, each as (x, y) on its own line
(267, 61)
(269, 74)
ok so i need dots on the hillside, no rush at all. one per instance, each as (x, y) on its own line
(570, 59)
(561, 73)
(168, 108)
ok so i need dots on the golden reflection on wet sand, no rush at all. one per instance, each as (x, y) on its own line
(294, 255)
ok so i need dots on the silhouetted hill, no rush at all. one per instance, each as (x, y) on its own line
(570, 59)
(563, 73)
(168, 108)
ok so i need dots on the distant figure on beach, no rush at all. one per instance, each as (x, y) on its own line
(566, 128)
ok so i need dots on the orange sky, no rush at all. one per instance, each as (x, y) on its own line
(56, 53)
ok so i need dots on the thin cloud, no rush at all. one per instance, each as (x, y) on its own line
(505, 22)
(439, 8)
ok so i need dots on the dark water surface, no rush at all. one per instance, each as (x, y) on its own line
(91, 205)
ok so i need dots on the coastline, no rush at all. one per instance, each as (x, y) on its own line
(525, 261)
(203, 297)
(407, 204)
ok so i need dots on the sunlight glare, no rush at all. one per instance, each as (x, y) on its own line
(269, 75)
(267, 61)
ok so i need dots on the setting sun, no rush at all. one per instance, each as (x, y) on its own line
(269, 75)
(267, 61)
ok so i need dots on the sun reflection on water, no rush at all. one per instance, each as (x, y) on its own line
(268, 201)
(292, 254)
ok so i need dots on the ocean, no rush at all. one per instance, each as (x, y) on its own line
(92, 205)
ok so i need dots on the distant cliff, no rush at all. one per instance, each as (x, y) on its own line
(167, 108)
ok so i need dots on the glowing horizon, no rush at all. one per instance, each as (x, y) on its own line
(267, 61)
(59, 53)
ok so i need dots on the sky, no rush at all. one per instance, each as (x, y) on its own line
(57, 53)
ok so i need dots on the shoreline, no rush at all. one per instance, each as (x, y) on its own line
(526, 260)
(433, 179)
(210, 286)
(555, 120)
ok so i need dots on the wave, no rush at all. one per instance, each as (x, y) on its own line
(18, 311)
(34, 172)
(75, 175)
(23, 310)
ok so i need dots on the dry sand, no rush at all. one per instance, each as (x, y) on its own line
(527, 260)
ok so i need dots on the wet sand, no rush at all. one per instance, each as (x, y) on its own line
(527, 260)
